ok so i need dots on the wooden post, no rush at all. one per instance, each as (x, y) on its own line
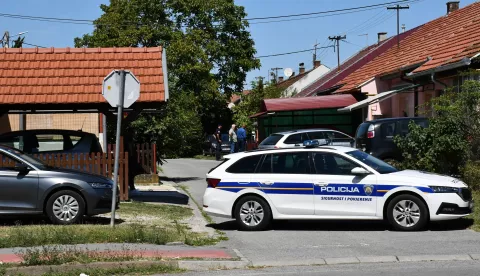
(127, 185)
(155, 158)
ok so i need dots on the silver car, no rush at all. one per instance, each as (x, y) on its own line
(31, 187)
(295, 138)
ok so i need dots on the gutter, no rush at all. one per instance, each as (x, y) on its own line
(461, 63)
(165, 73)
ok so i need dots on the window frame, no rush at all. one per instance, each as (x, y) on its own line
(302, 138)
(260, 161)
(351, 160)
(260, 165)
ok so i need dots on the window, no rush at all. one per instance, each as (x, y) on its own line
(48, 142)
(296, 138)
(378, 165)
(388, 130)
(75, 139)
(245, 165)
(271, 140)
(338, 135)
(7, 163)
(286, 163)
(13, 142)
(328, 163)
(316, 135)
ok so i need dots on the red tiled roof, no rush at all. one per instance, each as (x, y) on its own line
(236, 97)
(75, 75)
(334, 76)
(320, 102)
(446, 40)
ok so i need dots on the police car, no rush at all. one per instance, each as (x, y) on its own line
(316, 182)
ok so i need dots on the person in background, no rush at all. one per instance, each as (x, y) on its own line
(218, 137)
(232, 136)
(242, 138)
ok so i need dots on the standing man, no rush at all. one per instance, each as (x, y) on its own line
(218, 137)
(242, 138)
(232, 138)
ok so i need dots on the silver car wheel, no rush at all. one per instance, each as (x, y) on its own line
(251, 213)
(406, 213)
(65, 208)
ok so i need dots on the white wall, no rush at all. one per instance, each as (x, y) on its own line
(306, 80)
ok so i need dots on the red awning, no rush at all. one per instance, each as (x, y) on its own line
(257, 114)
(307, 103)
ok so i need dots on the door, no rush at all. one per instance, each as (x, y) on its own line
(285, 178)
(337, 191)
(19, 190)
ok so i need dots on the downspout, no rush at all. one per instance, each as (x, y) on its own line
(435, 81)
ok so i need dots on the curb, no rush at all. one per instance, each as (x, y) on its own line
(202, 265)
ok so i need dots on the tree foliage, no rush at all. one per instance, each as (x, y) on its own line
(452, 138)
(209, 52)
(251, 103)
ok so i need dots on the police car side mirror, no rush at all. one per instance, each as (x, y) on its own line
(359, 171)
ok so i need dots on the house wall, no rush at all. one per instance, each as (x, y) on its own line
(305, 81)
(52, 121)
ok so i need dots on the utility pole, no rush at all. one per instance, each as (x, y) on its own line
(276, 72)
(398, 8)
(337, 38)
(315, 52)
(6, 40)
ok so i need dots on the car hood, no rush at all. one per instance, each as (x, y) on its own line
(431, 178)
(84, 176)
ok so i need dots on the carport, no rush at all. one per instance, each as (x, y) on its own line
(69, 81)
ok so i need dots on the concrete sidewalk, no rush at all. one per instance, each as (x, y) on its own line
(14, 255)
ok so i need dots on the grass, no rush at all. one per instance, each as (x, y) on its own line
(476, 212)
(164, 229)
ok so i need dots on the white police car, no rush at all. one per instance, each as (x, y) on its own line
(329, 183)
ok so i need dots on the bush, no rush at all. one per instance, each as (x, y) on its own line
(471, 174)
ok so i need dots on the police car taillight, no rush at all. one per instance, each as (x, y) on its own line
(371, 132)
(213, 182)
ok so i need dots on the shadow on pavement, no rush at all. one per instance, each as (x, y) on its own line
(172, 197)
(341, 225)
(179, 179)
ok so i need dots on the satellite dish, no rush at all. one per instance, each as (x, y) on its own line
(288, 72)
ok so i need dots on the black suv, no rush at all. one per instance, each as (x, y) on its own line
(376, 137)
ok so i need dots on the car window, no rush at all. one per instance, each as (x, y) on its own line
(296, 138)
(388, 130)
(47, 142)
(402, 127)
(317, 135)
(7, 163)
(339, 135)
(333, 164)
(75, 139)
(377, 164)
(245, 165)
(13, 142)
(286, 163)
(271, 140)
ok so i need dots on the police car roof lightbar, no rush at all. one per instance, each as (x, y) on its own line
(313, 143)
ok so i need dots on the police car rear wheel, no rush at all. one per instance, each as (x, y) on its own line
(407, 213)
(252, 213)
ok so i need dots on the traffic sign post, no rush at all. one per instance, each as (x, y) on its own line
(114, 87)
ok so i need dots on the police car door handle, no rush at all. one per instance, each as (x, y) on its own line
(320, 183)
(267, 182)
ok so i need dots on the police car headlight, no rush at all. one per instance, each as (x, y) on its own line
(444, 189)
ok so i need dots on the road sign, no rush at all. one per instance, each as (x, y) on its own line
(111, 88)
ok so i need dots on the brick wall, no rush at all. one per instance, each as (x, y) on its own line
(52, 121)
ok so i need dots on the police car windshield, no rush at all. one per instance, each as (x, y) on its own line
(377, 164)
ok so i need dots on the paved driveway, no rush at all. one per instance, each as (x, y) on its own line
(289, 242)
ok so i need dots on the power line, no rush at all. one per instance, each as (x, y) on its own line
(330, 11)
(295, 52)
(352, 43)
(34, 45)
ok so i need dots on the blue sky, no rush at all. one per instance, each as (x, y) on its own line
(269, 38)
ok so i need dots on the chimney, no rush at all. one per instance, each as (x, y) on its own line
(316, 64)
(301, 68)
(382, 36)
(280, 79)
(452, 6)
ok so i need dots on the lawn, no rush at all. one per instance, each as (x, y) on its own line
(203, 157)
(136, 223)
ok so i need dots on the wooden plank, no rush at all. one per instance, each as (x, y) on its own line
(75, 161)
(121, 179)
(127, 178)
(109, 161)
(143, 156)
(154, 159)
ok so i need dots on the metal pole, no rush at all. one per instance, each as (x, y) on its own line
(338, 53)
(104, 126)
(398, 26)
(117, 145)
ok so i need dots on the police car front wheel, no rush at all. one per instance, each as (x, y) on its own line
(407, 213)
(252, 213)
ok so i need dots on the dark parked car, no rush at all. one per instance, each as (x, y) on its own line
(209, 145)
(29, 186)
(377, 137)
(51, 141)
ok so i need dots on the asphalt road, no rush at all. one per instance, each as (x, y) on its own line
(289, 241)
(398, 269)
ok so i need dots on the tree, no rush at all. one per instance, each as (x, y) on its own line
(18, 43)
(251, 103)
(208, 46)
(452, 137)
